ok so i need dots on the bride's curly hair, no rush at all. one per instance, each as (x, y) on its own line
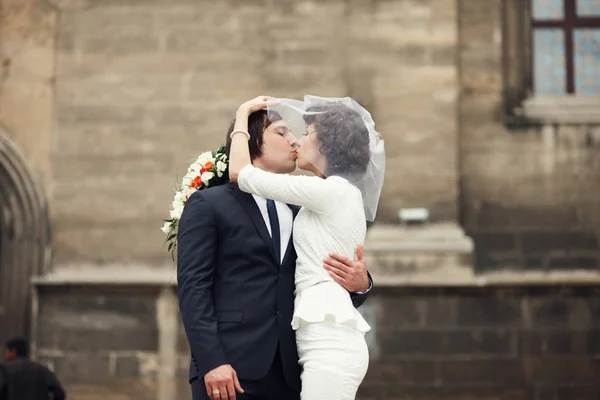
(344, 139)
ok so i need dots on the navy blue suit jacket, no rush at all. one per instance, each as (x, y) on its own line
(235, 299)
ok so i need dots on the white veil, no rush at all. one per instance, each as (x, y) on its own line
(293, 113)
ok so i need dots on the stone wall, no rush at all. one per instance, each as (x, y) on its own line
(122, 339)
(110, 99)
(529, 198)
(485, 343)
(27, 78)
(508, 342)
(94, 334)
(144, 86)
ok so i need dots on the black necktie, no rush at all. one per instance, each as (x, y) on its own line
(274, 220)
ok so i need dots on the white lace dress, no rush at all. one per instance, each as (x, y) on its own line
(329, 330)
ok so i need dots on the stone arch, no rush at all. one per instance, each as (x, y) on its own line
(24, 238)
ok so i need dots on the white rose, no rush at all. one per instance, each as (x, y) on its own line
(166, 228)
(179, 200)
(188, 191)
(194, 169)
(221, 166)
(186, 181)
(204, 158)
(176, 213)
(207, 176)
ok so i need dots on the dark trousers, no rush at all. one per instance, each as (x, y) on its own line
(272, 387)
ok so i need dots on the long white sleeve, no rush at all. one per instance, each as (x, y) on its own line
(311, 192)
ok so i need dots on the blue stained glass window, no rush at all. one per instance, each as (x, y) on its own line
(588, 8)
(548, 9)
(587, 61)
(549, 71)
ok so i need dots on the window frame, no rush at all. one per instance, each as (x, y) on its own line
(522, 107)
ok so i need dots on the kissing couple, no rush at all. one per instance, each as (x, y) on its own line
(270, 265)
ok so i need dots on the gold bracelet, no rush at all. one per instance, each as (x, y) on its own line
(240, 131)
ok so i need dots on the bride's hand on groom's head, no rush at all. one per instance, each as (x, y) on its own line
(352, 275)
(255, 104)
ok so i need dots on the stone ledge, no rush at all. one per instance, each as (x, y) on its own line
(443, 237)
(563, 109)
(504, 278)
(398, 254)
(123, 275)
(441, 255)
(109, 275)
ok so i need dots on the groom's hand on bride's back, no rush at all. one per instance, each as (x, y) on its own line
(222, 383)
(352, 275)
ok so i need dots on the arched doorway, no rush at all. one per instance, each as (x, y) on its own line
(24, 239)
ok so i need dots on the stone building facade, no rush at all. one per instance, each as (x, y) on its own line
(103, 101)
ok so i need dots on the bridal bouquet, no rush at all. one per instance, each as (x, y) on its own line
(210, 169)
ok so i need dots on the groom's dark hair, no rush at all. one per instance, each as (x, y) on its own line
(258, 121)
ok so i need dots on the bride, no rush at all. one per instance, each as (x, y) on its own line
(342, 149)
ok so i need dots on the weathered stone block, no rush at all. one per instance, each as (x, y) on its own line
(403, 372)
(120, 45)
(195, 41)
(98, 114)
(594, 309)
(441, 311)
(128, 243)
(398, 253)
(456, 391)
(409, 313)
(559, 312)
(397, 343)
(114, 21)
(112, 202)
(584, 391)
(558, 240)
(124, 90)
(79, 322)
(487, 262)
(127, 367)
(82, 367)
(482, 371)
(488, 311)
(495, 242)
(575, 369)
(559, 342)
(591, 262)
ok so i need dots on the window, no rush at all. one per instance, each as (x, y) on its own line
(551, 59)
(566, 47)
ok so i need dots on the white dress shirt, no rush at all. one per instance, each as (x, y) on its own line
(286, 221)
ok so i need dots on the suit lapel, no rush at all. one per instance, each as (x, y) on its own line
(290, 246)
(247, 202)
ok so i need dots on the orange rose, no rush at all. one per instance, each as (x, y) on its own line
(197, 182)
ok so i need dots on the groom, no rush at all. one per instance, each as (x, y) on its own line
(235, 295)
